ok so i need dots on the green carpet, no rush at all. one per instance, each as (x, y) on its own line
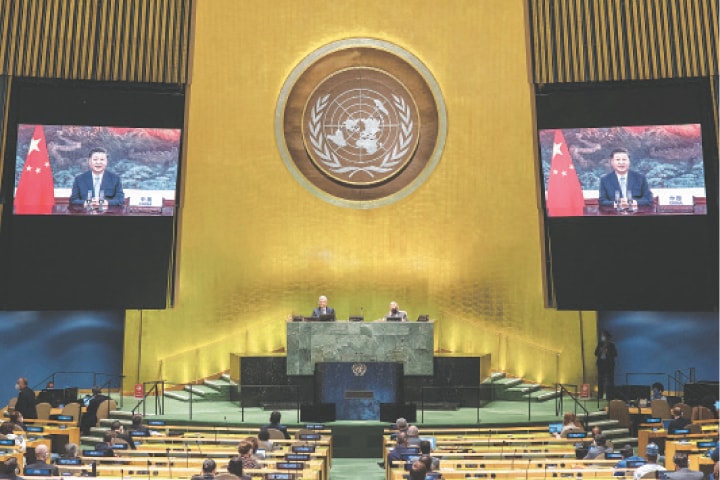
(356, 469)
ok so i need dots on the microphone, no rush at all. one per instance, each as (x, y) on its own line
(148, 470)
(362, 313)
(512, 463)
(197, 442)
(527, 468)
(187, 455)
(167, 454)
(122, 471)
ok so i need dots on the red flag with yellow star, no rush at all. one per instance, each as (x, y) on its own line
(564, 193)
(35, 194)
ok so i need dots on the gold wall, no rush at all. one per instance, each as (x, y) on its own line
(255, 246)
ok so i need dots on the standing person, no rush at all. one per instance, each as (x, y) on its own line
(323, 309)
(97, 179)
(26, 399)
(605, 352)
(89, 419)
(631, 186)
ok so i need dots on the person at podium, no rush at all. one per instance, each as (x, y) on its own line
(90, 184)
(395, 314)
(322, 309)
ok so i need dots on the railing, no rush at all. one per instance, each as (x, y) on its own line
(560, 392)
(673, 383)
(157, 390)
(113, 382)
(446, 393)
(244, 399)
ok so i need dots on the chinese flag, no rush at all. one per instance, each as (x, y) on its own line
(564, 193)
(35, 193)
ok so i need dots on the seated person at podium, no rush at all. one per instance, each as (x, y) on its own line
(622, 180)
(322, 309)
(396, 313)
(678, 422)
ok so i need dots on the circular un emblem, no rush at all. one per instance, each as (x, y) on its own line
(361, 126)
(360, 123)
(359, 369)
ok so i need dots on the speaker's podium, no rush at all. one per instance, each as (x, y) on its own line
(358, 388)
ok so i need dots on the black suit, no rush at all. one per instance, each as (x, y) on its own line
(89, 419)
(26, 403)
(328, 311)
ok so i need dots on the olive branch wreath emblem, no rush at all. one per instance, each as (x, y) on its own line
(330, 159)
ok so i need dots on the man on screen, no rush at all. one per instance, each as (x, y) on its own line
(97, 180)
(625, 182)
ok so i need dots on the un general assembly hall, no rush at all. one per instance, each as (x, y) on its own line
(322, 240)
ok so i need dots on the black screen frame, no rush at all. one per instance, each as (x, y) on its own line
(51, 262)
(660, 262)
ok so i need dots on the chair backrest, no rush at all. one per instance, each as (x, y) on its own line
(695, 428)
(11, 404)
(686, 410)
(652, 474)
(43, 410)
(72, 409)
(276, 434)
(104, 409)
(226, 476)
(701, 413)
(660, 409)
(618, 410)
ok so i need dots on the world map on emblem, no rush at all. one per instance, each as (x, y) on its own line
(360, 126)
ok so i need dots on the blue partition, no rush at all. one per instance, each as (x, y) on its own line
(358, 388)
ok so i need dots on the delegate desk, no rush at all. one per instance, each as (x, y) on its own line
(409, 343)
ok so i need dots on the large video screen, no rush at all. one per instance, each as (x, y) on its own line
(622, 170)
(95, 170)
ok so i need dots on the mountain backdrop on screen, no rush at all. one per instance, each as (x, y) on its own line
(670, 157)
(145, 159)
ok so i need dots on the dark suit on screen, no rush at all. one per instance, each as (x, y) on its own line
(111, 185)
(328, 311)
(636, 183)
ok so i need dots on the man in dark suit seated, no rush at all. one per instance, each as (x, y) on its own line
(682, 472)
(96, 180)
(208, 470)
(41, 454)
(678, 422)
(323, 309)
(631, 186)
(401, 448)
(8, 469)
(275, 424)
(106, 445)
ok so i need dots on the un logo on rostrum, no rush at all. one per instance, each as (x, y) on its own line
(360, 123)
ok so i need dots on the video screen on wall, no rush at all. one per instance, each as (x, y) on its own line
(623, 170)
(95, 170)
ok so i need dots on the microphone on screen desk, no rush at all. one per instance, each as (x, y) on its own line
(167, 454)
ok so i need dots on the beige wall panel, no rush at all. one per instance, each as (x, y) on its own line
(256, 246)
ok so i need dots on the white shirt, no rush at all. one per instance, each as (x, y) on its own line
(648, 467)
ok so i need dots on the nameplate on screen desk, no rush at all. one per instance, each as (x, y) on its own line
(680, 431)
(706, 444)
(120, 446)
(139, 433)
(7, 442)
(613, 456)
(309, 436)
(62, 418)
(156, 423)
(653, 420)
(289, 465)
(314, 426)
(69, 461)
(34, 429)
(576, 435)
(280, 476)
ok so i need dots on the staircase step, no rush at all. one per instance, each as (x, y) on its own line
(226, 377)
(544, 395)
(508, 382)
(220, 386)
(619, 442)
(616, 432)
(121, 414)
(181, 395)
(594, 415)
(603, 424)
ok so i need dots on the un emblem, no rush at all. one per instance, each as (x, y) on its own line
(359, 369)
(360, 123)
(361, 126)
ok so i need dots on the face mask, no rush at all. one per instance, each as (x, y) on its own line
(17, 386)
(603, 338)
